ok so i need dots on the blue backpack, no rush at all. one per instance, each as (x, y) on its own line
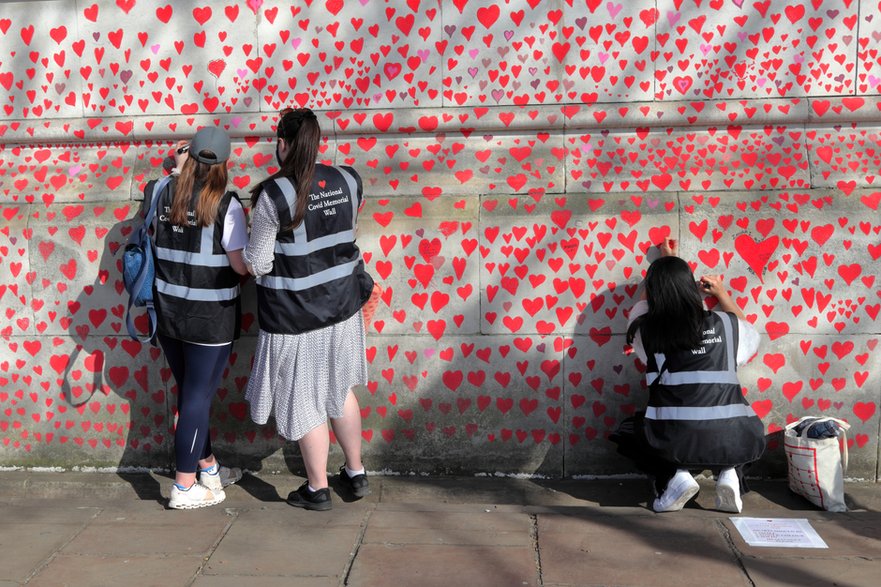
(138, 272)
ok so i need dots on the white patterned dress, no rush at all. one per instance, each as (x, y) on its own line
(301, 379)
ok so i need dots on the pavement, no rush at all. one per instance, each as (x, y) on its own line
(95, 529)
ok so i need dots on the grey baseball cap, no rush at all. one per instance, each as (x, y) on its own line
(210, 139)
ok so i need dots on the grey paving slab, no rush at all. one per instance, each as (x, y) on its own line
(108, 571)
(402, 492)
(295, 550)
(284, 517)
(429, 535)
(812, 572)
(443, 565)
(26, 547)
(260, 581)
(41, 513)
(114, 538)
(660, 551)
(482, 527)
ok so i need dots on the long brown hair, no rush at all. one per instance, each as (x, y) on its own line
(300, 130)
(213, 179)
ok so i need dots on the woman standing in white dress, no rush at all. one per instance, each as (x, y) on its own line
(311, 285)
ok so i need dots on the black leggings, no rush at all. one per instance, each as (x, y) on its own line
(197, 370)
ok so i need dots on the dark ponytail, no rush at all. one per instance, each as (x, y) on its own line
(676, 313)
(301, 132)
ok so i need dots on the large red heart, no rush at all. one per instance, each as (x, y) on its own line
(756, 254)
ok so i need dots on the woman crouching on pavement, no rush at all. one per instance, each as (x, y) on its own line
(697, 417)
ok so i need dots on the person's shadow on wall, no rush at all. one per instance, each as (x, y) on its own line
(102, 365)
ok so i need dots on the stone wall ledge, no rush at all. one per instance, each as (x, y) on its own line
(464, 120)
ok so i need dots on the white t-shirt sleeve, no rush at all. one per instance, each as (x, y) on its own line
(235, 227)
(748, 341)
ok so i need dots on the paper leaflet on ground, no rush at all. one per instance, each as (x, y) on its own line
(778, 532)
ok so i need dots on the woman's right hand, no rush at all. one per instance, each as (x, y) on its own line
(712, 284)
(669, 248)
(180, 158)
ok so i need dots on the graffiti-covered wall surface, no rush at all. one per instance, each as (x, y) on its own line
(520, 158)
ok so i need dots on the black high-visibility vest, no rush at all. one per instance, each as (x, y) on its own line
(196, 292)
(318, 277)
(697, 414)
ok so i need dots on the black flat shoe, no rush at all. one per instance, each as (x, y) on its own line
(358, 484)
(318, 500)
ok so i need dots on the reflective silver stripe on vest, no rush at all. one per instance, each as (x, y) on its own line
(298, 249)
(353, 191)
(205, 257)
(698, 413)
(694, 377)
(697, 377)
(290, 196)
(195, 293)
(301, 245)
(301, 283)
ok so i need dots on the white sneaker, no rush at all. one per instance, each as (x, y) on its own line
(728, 492)
(681, 488)
(221, 477)
(197, 496)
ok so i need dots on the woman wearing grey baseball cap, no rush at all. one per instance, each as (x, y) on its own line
(199, 233)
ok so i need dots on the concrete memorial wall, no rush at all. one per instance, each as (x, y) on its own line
(520, 160)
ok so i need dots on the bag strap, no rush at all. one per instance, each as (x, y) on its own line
(137, 238)
(157, 193)
(151, 316)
